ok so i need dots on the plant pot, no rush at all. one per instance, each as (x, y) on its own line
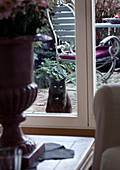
(17, 92)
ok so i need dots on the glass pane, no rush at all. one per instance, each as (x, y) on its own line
(107, 54)
(54, 60)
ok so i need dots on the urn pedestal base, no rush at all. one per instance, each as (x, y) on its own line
(30, 150)
(13, 101)
(28, 159)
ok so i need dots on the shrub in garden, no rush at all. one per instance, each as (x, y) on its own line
(47, 69)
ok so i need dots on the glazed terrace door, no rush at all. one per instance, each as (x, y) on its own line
(84, 75)
(107, 70)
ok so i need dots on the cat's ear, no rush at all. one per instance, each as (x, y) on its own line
(63, 80)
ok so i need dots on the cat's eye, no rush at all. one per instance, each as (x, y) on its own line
(61, 87)
(55, 87)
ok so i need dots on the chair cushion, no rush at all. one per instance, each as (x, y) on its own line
(102, 51)
(67, 57)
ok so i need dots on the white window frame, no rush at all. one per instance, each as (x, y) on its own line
(85, 76)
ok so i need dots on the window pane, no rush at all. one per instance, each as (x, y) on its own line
(54, 60)
(79, 119)
(107, 56)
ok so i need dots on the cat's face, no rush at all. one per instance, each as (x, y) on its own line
(57, 86)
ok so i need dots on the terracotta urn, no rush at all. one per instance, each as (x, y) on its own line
(17, 91)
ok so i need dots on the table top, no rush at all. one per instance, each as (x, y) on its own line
(82, 146)
(106, 25)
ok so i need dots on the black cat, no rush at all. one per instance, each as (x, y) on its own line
(58, 99)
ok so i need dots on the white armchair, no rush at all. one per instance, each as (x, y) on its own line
(111, 159)
(106, 108)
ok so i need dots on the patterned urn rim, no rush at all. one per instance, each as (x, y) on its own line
(25, 38)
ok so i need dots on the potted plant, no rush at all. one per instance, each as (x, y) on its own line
(20, 20)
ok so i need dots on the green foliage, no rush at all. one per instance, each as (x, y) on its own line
(37, 45)
(47, 69)
(24, 19)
